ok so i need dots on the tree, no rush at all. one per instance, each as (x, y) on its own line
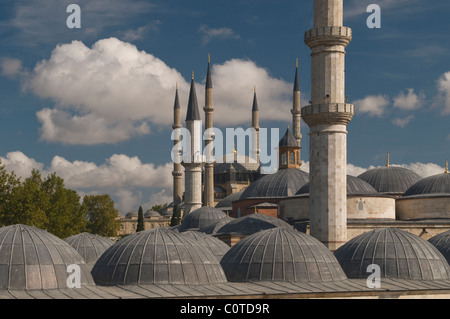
(102, 216)
(176, 216)
(8, 182)
(140, 224)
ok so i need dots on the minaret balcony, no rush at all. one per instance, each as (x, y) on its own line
(328, 113)
(328, 36)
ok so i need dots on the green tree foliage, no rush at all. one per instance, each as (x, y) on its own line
(140, 223)
(176, 216)
(102, 216)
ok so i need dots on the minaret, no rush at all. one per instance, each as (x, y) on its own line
(176, 173)
(296, 108)
(209, 109)
(193, 159)
(255, 126)
(327, 117)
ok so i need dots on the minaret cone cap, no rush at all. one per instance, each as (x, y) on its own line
(255, 102)
(296, 82)
(176, 104)
(192, 111)
(208, 76)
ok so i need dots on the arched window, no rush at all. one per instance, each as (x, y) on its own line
(283, 159)
(291, 158)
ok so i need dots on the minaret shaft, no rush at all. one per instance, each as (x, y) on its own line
(209, 167)
(177, 172)
(327, 117)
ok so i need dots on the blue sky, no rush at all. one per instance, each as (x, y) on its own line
(95, 104)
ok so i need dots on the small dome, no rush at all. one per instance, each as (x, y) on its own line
(442, 243)
(157, 256)
(228, 201)
(281, 255)
(151, 214)
(285, 182)
(251, 224)
(132, 214)
(212, 228)
(31, 258)
(89, 246)
(217, 247)
(201, 217)
(355, 186)
(399, 254)
(437, 184)
(390, 179)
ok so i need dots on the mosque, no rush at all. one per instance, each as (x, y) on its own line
(290, 234)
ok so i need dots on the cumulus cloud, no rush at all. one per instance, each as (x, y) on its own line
(444, 92)
(409, 101)
(373, 105)
(129, 181)
(112, 91)
(11, 67)
(403, 121)
(220, 33)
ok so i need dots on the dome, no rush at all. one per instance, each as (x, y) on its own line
(437, 184)
(89, 246)
(151, 214)
(251, 224)
(157, 256)
(228, 201)
(241, 163)
(442, 243)
(217, 247)
(32, 258)
(213, 227)
(399, 254)
(390, 179)
(132, 214)
(285, 182)
(281, 255)
(355, 186)
(201, 217)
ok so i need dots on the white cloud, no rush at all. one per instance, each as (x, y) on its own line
(112, 91)
(409, 101)
(131, 35)
(355, 8)
(444, 91)
(211, 33)
(373, 105)
(11, 67)
(403, 121)
(20, 164)
(424, 169)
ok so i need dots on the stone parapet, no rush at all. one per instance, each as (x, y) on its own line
(328, 36)
(328, 113)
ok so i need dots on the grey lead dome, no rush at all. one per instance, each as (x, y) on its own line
(89, 246)
(33, 259)
(399, 254)
(281, 255)
(157, 256)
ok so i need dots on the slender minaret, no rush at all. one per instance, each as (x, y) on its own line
(327, 117)
(209, 109)
(296, 109)
(176, 173)
(255, 126)
(193, 159)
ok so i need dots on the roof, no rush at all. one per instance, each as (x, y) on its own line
(151, 213)
(288, 140)
(264, 205)
(214, 226)
(355, 186)
(33, 259)
(442, 243)
(252, 223)
(192, 113)
(201, 217)
(285, 182)
(228, 201)
(89, 246)
(132, 214)
(398, 253)
(390, 179)
(157, 256)
(281, 255)
(215, 245)
(255, 107)
(436, 184)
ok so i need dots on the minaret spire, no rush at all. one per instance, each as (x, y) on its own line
(446, 167)
(327, 117)
(387, 161)
(296, 109)
(176, 173)
(209, 110)
(255, 125)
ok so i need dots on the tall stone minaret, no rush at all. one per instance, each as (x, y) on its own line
(176, 173)
(327, 117)
(255, 126)
(193, 159)
(296, 112)
(209, 109)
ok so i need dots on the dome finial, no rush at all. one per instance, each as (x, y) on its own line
(209, 58)
(296, 63)
(387, 161)
(192, 74)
